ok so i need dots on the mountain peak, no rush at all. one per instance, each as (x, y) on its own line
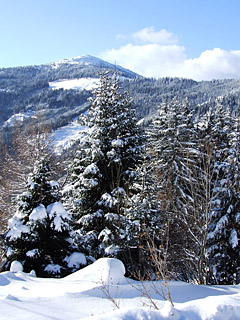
(84, 59)
(91, 61)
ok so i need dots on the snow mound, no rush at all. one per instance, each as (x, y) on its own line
(104, 270)
(16, 266)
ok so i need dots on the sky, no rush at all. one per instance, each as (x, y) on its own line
(155, 38)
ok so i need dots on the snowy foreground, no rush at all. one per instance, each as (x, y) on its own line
(100, 291)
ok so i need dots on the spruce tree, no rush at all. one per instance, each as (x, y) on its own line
(38, 235)
(224, 230)
(218, 198)
(104, 172)
(172, 144)
(146, 223)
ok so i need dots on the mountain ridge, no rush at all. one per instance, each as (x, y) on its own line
(94, 61)
(27, 90)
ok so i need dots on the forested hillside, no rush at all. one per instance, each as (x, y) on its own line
(164, 198)
(25, 91)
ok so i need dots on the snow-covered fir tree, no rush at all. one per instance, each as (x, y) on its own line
(172, 144)
(38, 235)
(104, 172)
(146, 223)
(210, 138)
(224, 230)
(197, 193)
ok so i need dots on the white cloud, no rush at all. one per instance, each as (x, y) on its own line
(158, 54)
(151, 60)
(149, 35)
(212, 64)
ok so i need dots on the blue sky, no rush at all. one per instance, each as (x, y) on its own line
(188, 38)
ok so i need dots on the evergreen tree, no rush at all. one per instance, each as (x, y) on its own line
(39, 234)
(172, 144)
(224, 230)
(104, 172)
(146, 223)
(218, 203)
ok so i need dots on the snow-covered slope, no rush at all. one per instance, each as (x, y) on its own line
(88, 61)
(64, 137)
(76, 84)
(100, 291)
(18, 117)
(84, 60)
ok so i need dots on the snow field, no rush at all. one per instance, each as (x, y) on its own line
(64, 137)
(75, 84)
(89, 294)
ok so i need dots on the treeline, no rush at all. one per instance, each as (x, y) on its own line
(170, 190)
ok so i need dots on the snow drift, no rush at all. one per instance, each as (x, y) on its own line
(89, 294)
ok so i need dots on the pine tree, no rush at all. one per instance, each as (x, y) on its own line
(104, 172)
(38, 235)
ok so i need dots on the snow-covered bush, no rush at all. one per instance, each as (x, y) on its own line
(38, 234)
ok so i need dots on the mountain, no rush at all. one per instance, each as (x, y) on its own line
(27, 90)
(59, 91)
(90, 64)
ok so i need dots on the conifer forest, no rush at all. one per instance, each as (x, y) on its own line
(162, 194)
